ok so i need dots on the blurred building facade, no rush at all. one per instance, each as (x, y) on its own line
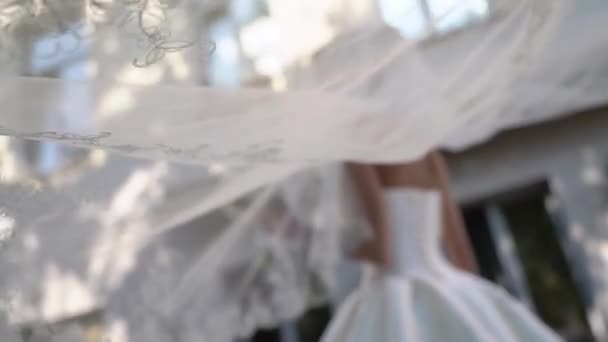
(563, 164)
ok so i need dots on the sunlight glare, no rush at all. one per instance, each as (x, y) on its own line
(118, 100)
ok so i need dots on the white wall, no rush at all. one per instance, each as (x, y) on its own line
(572, 155)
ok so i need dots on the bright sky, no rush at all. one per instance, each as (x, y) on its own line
(407, 17)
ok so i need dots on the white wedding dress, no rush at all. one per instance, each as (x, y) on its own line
(422, 298)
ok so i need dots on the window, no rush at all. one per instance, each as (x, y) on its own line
(60, 56)
(419, 19)
(519, 246)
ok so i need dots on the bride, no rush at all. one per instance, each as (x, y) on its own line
(410, 292)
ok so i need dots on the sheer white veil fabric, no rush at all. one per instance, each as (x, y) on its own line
(273, 219)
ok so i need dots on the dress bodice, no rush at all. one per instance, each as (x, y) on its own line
(415, 221)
